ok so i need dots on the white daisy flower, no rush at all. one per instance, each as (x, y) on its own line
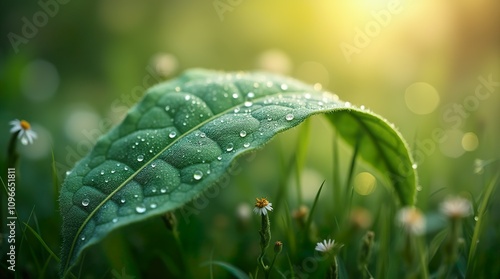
(262, 206)
(325, 246)
(23, 128)
(412, 220)
(456, 207)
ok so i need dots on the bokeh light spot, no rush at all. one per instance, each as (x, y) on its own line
(39, 80)
(470, 141)
(274, 60)
(421, 98)
(364, 183)
(452, 146)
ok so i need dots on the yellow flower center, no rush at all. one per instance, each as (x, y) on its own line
(25, 125)
(261, 203)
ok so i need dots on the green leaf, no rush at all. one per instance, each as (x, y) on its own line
(185, 134)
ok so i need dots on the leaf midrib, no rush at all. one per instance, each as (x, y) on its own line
(215, 116)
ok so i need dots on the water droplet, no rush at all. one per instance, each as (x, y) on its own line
(115, 220)
(83, 238)
(136, 196)
(219, 158)
(153, 205)
(229, 147)
(476, 218)
(172, 134)
(347, 104)
(113, 171)
(153, 165)
(133, 146)
(177, 89)
(167, 108)
(125, 168)
(102, 172)
(284, 86)
(140, 209)
(136, 143)
(419, 188)
(122, 200)
(68, 173)
(248, 104)
(243, 134)
(250, 95)
(247, 144)
(414, 166)
(235, 95)
(187, 97)
(197, 175)
(153, 190)
(236, 110)
(85, 202)
(362, 107)
(289, 117)
(106, 180)
(202, 135)
(163, 190)
(143, 139)
(140, 158)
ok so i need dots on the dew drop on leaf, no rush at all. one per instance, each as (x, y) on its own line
(172, 135)
(289, 117)
(246, 144)
(153, 205)
(115, 220)
(102, 172)
(85, 202)
(414, 166)
(163, 190)
(219, 158)
(167, 108)
(202, 135)
(122, 200)
(284, 86)
(235, 95)
(140, 209)
(248, 104)
(140, 158)
(229, 147)
(197, 175)
(113, 171)
(243, 133)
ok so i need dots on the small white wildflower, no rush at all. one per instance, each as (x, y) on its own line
(412, 220)
(325, 246)
(456, 207)
(24, 128)
(262, 206)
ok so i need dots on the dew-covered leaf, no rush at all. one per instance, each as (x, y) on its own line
(184, 135)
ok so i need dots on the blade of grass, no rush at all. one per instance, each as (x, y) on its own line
(228, 267)
(42, 242)
(287, 221)
(337, 190)
(479, 225)
(301, 154)
(313, 208)
(348, 183)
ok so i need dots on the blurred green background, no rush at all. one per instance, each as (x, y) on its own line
(73, 68)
